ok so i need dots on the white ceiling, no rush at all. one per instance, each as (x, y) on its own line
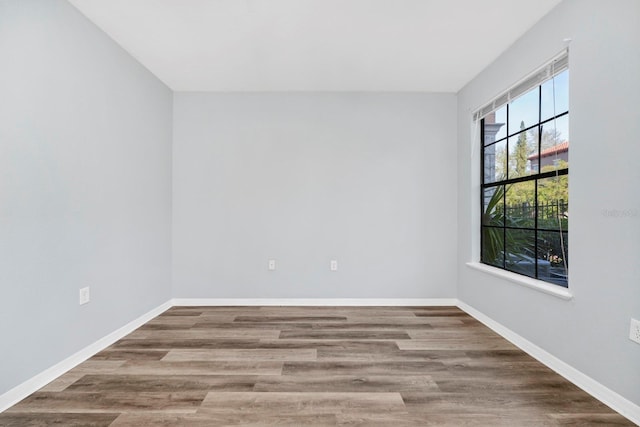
(315, 45)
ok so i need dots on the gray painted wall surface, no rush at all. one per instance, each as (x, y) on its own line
(85, 186)
(591, 331)
(367, 179)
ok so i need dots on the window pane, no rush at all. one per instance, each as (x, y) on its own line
(493, 246)
(493, 202)
(533, 142)
(495, 125)
(553, 203)
(523, 149)
(495, 162)
(523, 111)
(558, 86)
(554, 145)
(553, 251)
(520, 209)
(520, 252)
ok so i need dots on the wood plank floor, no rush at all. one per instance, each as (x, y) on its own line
(319, 366)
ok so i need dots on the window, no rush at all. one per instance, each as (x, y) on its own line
(525, 177)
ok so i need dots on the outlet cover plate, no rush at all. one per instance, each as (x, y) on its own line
(84, 295)
(634, 331)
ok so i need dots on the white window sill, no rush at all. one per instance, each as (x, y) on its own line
(538, 285)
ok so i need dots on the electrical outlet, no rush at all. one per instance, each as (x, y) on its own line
(272, 264)
(634, 331)
(84, 295)
(333, 265)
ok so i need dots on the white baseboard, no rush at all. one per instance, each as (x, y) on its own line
(23, 390)
(346, 302)
(609, 397)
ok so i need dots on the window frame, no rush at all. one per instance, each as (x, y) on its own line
(534, 176)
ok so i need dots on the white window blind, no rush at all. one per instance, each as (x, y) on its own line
(541, 75)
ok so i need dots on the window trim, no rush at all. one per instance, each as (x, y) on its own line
(526, 281)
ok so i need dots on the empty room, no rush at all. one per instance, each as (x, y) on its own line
(319, 212)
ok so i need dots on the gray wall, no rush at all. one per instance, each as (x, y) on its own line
(85, 186)
(367, 179)
(591, 331)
